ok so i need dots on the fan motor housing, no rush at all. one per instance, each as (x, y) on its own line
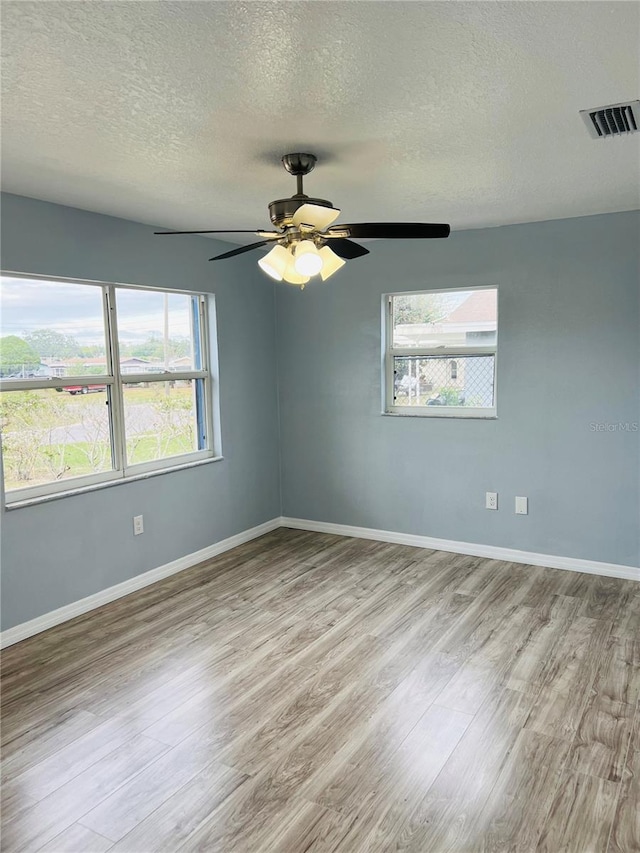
(282, 210)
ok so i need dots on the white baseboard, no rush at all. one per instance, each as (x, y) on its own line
(511, 555)
(91, 602)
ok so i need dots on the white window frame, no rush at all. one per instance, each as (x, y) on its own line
(451, 354)
(115, 382)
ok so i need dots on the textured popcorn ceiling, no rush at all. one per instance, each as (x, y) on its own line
(176, 113)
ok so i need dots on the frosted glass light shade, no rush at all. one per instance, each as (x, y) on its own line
(275, 262)
(307, 258)
(291, 275)
(330, 262)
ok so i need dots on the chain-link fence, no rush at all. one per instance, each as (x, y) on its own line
(444, 381)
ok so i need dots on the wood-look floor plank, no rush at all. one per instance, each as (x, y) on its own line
(37, 745)
(545, 584)
(77, 839)
(131, 803)
(51, 773)
(14, 801)
(181, 814)
(578, 585)
(451, 814)
(343, 779)
(185, 679)
(627, 621)
(309, 828)
(567, 678)
(244, 820)
(603, 598)
(625, 832)
(619, 675)
(258, 744)
(248, 694)
(514, 817)
(104, 649)
(483, 571)
(602, 740)
(468, 688)
(499, 600)
(581, 816)
(551, 619)
(413, 768)
(39, 824)
(310, 692)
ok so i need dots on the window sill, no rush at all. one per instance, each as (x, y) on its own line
(94, 487)
(491, 416)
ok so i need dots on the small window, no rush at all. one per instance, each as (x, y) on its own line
(440, 353)
(99, 382)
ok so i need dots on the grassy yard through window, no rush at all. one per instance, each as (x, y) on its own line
(49, 435)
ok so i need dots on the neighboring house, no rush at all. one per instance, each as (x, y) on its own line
(183, 363)
(97, 364)
(42, 371)
(134, 364)
(52, 367)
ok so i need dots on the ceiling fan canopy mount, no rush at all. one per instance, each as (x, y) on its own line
(299, 164)
(306, 243)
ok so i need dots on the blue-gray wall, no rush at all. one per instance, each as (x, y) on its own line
(568, 357)
(58, 552)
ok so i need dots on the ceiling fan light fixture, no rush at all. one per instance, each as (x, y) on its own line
(308, 260)
(275, 262)
(330, 262)
(303, 224)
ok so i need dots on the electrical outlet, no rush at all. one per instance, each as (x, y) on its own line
(491, 500)
(522, 506)
(138, 525)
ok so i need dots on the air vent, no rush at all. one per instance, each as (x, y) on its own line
(614, 120)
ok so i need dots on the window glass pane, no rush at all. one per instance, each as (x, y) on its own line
(157, 332)
(50, 329)
(453, 320)
(439, 381)
(50, 435)
(162, 419)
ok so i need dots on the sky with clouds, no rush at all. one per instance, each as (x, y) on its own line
(76, 309)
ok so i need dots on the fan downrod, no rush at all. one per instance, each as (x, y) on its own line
(299, 165)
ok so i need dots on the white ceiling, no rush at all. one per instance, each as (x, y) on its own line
(177, 113)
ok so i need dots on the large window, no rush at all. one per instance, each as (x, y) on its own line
(99, 382)
(440, 352)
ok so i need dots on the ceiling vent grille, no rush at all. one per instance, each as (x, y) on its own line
(613, 120)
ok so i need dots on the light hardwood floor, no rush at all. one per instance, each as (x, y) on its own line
(308, 692)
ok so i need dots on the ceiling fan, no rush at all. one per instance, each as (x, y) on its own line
(306, 243)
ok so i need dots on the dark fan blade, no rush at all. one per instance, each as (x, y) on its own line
(229, 231)
(347, 249)
(393, 230)
(240, 250)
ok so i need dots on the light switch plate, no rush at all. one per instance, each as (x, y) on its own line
(522, 506)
